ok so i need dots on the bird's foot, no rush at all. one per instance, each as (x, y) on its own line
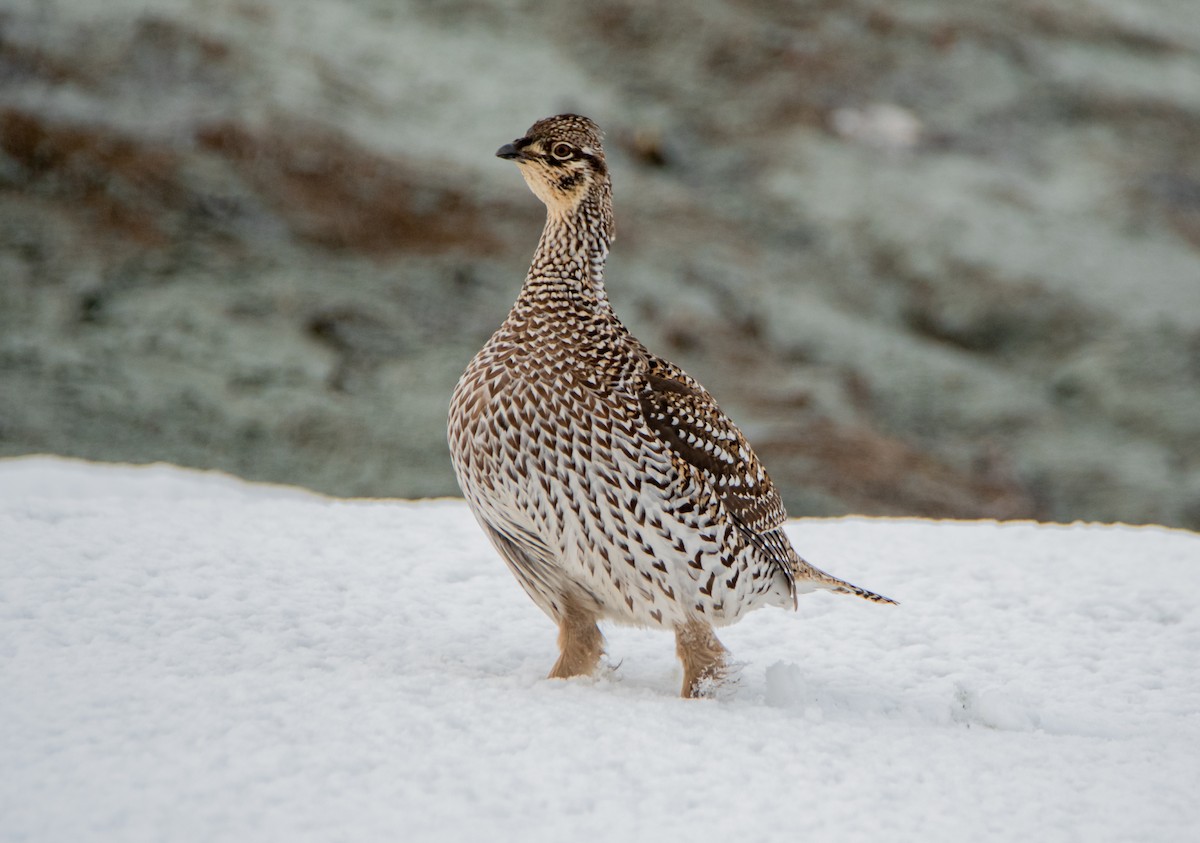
(706, 664)
(717, 684)
(580, 646)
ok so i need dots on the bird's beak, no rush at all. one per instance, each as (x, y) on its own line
(509, 152)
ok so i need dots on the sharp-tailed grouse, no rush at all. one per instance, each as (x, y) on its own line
(609, 480)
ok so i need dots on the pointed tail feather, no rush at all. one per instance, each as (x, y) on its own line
(847, 588)
(817, 578)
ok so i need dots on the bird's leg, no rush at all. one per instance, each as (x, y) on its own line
(580, 644)
(703, 657)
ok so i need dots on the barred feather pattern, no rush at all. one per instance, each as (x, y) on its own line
(606, 477)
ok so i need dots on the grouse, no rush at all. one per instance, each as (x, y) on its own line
(609, 480)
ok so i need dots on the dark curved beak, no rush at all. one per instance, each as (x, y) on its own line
(509, 152)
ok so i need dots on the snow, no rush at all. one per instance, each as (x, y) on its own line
(185, 656)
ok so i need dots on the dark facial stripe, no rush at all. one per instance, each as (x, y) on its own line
(568, 181)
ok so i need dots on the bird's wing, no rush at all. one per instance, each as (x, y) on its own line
(533, 563)
(688, 420)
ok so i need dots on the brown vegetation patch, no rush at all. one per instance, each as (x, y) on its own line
(875, 474)
(326, 189)
(341, 196)
(20, 62)
(125, 185)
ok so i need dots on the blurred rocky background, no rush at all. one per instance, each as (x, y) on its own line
(938, 258)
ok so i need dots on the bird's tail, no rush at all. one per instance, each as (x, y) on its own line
(806, 575)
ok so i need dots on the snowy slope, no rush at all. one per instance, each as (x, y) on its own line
(187, 657)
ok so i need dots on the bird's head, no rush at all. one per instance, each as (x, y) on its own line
(562, 162)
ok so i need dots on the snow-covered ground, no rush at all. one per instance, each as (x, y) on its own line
(189, 657)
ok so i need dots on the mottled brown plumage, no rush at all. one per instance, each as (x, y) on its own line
(609, 480)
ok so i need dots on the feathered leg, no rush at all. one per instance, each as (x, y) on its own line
(580, 644)
(703, 657)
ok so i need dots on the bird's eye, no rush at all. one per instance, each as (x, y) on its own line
(562, 151)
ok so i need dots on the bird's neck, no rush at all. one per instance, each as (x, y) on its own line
(570, 257)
